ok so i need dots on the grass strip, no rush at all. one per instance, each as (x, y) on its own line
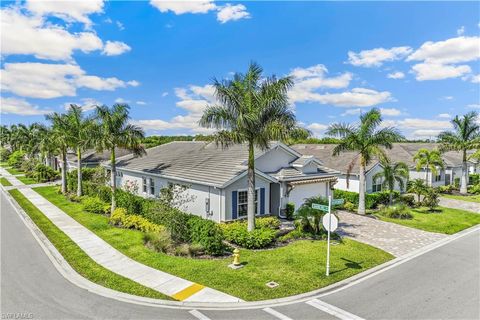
(5, 182)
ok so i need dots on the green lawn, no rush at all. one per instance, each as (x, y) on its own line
(298, 267)
(14, 171)
(475, 198)
(5, 182)
(3, 164)
(78, 259)
(445, 220)
(24, 179)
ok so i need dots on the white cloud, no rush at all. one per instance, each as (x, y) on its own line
(461, 31)
(376, 57)
(87, 104)
(32, 35)
(164, 94)
(120, 25)
(68, 10)
(232, 13)
(20, 107)
(447, 98)
(454, 50)
(426, 133)
(474, 105)
(115, 48)
(121, 100)
(357, 97)
(317, 128)
(416, 123)
(141, 103)
(351, 112)
(436, 71)
(444, 115)
(392, 112)
(473, 78)
(181, 7)
(396, 75)
(40, 80)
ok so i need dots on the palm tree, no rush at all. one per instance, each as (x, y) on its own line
(367, 139)
(58, 141)
(5, 135)
(418, 187)
(79, 136)
(254, 110)
(392, 173)
(114, 131)
(429, 160)
(465, 137)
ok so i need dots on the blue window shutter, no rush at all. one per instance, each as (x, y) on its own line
(234, 204)
(262, 200)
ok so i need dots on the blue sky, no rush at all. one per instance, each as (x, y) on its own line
(418, 62)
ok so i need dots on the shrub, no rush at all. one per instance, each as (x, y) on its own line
(16, 159)
(290, 210)
(120, 217)
(456, 183)
(4, 154)
(44, 173)
(474, 189)
(28, 166)
(398, 211)
(104, 193)
(132, 203)
(236, 232)
(206, 233)
(87, 174)
(446, 189)
(474, 179)
(372, 200)
(294, 235)
(431, 199)
(158, 241)
(93, 205)
(349, 206)
(408, 199)
(267, 222)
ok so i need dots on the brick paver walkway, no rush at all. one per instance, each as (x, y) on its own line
(113, 260)
(459, 204)
(393, 238)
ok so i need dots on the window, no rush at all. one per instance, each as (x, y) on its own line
(438, 177)
(152, 186)
(377, 187)
(243, 203)
(144, 184)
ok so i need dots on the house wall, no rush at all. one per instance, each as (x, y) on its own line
(414, 174)
(273, 160)
(241, 184)
(354, 184)
(301, 192)
(196, 193)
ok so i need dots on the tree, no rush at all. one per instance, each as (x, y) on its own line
(418, 187)
(465, 137)
(368, 140)
(251, 109)
(392, 173)
(59, 142)
(431, 199)
(79, 136)
(113, 132)
(429, 160)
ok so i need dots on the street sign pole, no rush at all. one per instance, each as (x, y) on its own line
(328, 232)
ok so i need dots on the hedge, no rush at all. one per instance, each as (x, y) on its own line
(372, 200)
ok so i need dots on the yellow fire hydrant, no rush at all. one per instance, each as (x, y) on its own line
(236, 257)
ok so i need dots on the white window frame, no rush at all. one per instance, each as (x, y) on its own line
(257, 202)
(376, 187)
(151, 186)
(144, 185)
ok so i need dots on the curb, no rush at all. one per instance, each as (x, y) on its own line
(72, 276)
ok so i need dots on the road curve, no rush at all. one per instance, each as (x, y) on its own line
(440, 284)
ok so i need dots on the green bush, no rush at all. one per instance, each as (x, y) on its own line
(206, 233)
(446, 189)
(132, 203)
(87, 176)
(431, 199)
(372, 200)
(16, 158)
(104, 193)
(456, 183)
(93, 205)
(159, 241)
(408, 199)
(28, 166)
(474, 179)
(119, 217)
(474, 189)
(43, 173)
(349, 206)
(399, 211)
(4, 154)
(267, 222)
(236, 232)
(290, 210)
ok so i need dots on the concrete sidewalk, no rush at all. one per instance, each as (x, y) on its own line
(111, 259)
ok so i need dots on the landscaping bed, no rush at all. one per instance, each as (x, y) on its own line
(297, 267)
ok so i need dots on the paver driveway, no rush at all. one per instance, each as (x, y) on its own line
(393, 238)
(459, 204)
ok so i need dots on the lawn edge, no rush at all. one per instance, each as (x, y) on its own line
(71, 275)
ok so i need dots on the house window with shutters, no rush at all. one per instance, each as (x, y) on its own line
(242, 203)
(144, 185)
(152, 186)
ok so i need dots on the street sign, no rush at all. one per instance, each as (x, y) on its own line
(330, 222)
(336, 202)
(320, 207)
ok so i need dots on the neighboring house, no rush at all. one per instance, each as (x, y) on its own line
(401, 152)
(217, 177)
(90, 158)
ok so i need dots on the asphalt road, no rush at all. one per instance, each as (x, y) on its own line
(441, 284)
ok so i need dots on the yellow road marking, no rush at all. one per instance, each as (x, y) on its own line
(187, 292)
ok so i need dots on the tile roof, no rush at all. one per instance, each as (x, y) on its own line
(92, 156)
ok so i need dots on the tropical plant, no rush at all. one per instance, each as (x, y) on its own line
(251, 109)
(368, 140)
(391, 174)
(431, 198)
(418, 187)
(59, 142)
(429, 160)
(115, 131)
(465, 137)
(79, 136)
(5, 135)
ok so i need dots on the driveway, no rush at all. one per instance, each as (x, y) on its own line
(459, 204)
(393, 238)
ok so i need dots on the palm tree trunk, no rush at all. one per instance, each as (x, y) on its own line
(113, 179)
(464, 179)
(361, 188)
(64, 171)
(79, 172)
(426, 176)
(390, 197)
(251, 189)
